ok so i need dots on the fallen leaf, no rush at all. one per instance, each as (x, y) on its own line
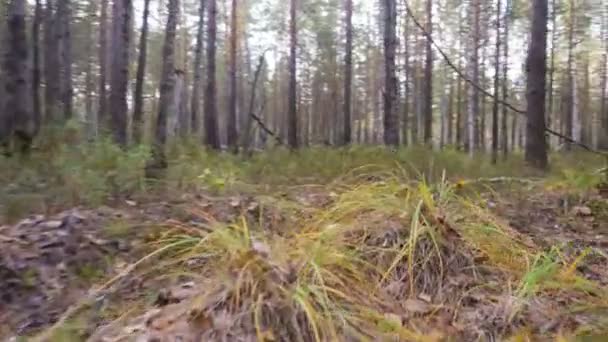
(417, 306)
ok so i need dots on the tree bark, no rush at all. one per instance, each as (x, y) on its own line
(91, 122)
(391, 125)
(51, 64)
(428, 78)
(103, 64)
(167, 85)
(348, 72)
(505, 82)
(121, 42)
(37, 110)
(604, 82)
(138, 97)
(536, 68)
(408, 78)
(196, 83)
(17, 124)
(473, 103)
(292, 116)
(496, 85)
(211, 134)
(232, 102)
(64, 19)
(550, 90)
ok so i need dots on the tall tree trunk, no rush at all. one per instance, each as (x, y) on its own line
(37, 115)
(604, 81)
(138, 98)
(571, 77)
(103, 64)
(167, 85)
(232, 102)
(408, 78)
(121, 42)
(211, 134)
(505, 82)
(473, 103)
(391, 125)
(64, 19)
(348, 72)
(196, 83)
(550, 90)
(292, 118)
(536, 68)
(17, 122)
(91, 122)
(428, 78)
(51, 64)
(496, 85)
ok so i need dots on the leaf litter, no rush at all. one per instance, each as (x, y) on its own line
(365, 259)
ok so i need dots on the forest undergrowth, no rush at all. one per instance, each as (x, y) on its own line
(315, 245)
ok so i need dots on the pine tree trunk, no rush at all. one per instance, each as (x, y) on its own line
(103, 65)
(408, 79)
(51, 64)
(571, 77)
(536, 68)
(473, 103)
(138, 97)
(391, 125)
(550, 90)
(64, 32)
(167, 85)
(196, 83)
(428, 78)
(505, 82)
(604, 82)
(17, 123)
(91, 122)
(348, 72)
(292, 119)
(496, 85)
(211, 129)
(37, 110)
(232, 102)
(121, 40)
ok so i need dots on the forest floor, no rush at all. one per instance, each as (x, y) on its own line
(324, 245)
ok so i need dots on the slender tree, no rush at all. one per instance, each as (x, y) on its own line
(496, 85)
(505, 81)
(51, 64)
(391, 129)
(232, 102)
(64, 37)
(121, 42)
(604, 80)
(103, 63)
(408, 77)
(292, 116)
(138, 98)
(473, 63)
(348, 71)
(196, 84)
(550, 90)
(211, 135)
(36, 111)
(167, 84)
(17, 122)
(428, 77)
(536, 69)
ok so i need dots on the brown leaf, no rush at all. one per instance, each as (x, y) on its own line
(417, 306)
